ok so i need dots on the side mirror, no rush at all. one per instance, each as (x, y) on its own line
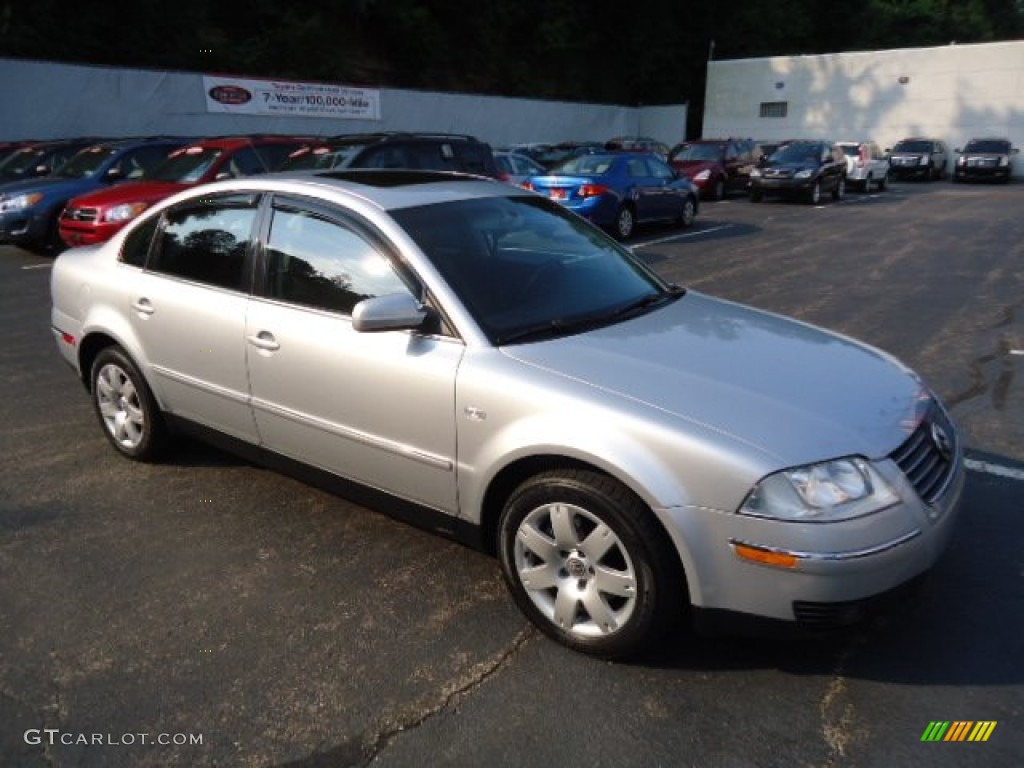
(958, 150)
(392, 312)
(41, 170)
(223, 175)
(113, 174)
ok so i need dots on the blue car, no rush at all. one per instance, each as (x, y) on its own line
(617, 191)
(30, 208)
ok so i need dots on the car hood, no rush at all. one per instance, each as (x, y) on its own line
(130, 192)
(48, 185)
(793, 165)
(693, 167)
(795, 392)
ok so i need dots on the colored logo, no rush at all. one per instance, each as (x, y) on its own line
(230, 94)
(958, 730)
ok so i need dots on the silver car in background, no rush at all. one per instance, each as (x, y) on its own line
(476, 358)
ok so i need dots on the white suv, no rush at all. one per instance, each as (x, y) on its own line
(866, 164)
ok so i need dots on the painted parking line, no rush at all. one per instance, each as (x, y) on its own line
(37, 266)
(670, 238)
(988, 468)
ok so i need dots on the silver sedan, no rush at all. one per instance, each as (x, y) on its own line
(479, 360)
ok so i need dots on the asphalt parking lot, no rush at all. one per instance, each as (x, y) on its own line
(206, 597)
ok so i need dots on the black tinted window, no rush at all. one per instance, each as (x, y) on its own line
(319, 263)
(245, 162)
(136, 245)
(208, 242)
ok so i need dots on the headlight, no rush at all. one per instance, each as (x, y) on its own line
(20, 202)
(755, 173)
(924, 160)
(124, 212)
(703, 175)
(826, 492)
(1004, 160)
(962, 160)
(806, 173)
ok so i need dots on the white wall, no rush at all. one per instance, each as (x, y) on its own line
(43, 100)
(953, 93)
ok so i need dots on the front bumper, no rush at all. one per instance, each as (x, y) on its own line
(78, 233)
(790, 186)
(23, 227)
(987, 173)
(840, 570)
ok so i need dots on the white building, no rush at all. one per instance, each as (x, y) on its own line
(953, 93)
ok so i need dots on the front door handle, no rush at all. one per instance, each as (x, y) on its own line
(264, 340)
(143, 305)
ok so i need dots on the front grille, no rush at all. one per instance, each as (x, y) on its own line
(79, 214)
(928, 457)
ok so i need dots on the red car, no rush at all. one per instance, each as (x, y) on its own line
(95, 217)
(716, 166)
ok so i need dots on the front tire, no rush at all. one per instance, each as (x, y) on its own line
(718, 191)
(814, 196)
(125, 406)
(587, 562)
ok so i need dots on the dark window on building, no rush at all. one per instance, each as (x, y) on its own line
(774, 108)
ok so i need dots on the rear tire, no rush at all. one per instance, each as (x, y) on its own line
(125, 406)
(625, 222)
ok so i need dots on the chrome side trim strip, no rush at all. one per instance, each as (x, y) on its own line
(834, 556)
(205, 386)
(400, 449)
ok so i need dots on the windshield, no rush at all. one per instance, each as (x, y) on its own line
(924, 147)
(696, 152)
(797, 153)
(321, 158)
(850, 150)
(185, 166)
(994, 146)
(24, 160)
(584, 165)
(526, 268)
(85, 163)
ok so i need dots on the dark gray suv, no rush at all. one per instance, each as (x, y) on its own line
(918, 158)
(806, 169)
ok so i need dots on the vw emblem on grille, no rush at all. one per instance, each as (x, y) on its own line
(942, 441)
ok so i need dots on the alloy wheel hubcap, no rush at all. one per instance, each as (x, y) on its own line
(120, 407)
(575, 570)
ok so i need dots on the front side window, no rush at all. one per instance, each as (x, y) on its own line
(208, 242)
(320, 263)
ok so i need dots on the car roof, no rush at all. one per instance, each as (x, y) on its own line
(385, 189)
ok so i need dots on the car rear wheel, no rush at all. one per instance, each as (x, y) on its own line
(125, 406)
(588, 563)
(687, 213)
(839, 192)
(625, 222)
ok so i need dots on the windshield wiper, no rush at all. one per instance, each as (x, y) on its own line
(560, 326)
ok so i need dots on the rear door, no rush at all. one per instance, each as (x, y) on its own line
(188, 311)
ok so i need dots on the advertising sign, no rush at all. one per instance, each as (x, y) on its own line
(280, 98)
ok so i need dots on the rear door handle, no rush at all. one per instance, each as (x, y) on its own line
(264, 340)
(144, 306)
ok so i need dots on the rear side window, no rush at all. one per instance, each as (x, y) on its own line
(136, 246)
(208, 242)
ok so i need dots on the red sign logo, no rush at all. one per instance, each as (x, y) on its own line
(230, 94)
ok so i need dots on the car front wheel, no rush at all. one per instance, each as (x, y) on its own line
(125, 406)
(588, 563)
(814, 197)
